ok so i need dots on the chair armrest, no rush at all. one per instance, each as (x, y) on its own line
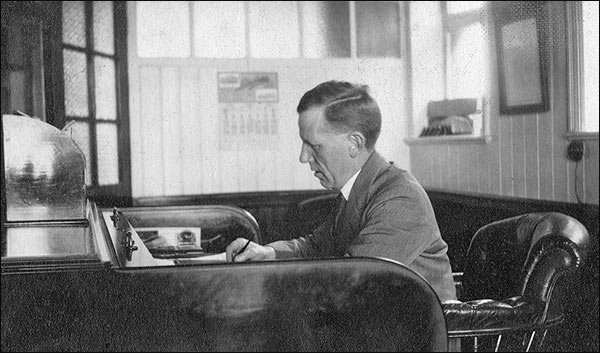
(458, 284)
(491, 315)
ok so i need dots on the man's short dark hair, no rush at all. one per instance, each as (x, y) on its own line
(348, 107)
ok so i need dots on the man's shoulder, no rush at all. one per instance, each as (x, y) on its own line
(395, 182)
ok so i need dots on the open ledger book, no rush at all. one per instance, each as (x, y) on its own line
(220, 257)
(211, 257)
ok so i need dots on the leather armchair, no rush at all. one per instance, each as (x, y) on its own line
(518, 274)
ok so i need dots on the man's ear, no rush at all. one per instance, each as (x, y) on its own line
(357, 143)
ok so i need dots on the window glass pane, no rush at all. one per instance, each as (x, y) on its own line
(326, 29)
(163, 29)
(14, 44)
(466, 61)
(74, 23)
(104, 39)
(274, 29)
(219, 29)
(108, 154)
(455, 7)
(377, 29)
(80, 133)
(75, 76)
(16, 97)
(590, 66)
(106, 94)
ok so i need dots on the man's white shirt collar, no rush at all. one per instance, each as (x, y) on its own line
(348, 186)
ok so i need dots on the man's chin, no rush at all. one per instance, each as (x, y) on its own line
(326, 185)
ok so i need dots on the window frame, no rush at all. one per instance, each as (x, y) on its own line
(575, 70)
(104, 195)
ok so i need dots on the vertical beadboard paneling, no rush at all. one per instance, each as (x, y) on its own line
(457, 151)
(265, 169)
(470, 167)
(191, 131)
(435, 169)
(546, 160)
(418, 169)
(229, 171)
(442, 159)
(518, 153)
(450, 173)
(424, 171)
(506, 172)
(152, 137)
(171, 127)
(209, 135)
(438, 169)
(483, 169)
(561, 169)
(247, 167)
(493, 156)
(590, 172)
(531, 155)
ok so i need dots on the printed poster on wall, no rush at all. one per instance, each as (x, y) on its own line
(248, 110)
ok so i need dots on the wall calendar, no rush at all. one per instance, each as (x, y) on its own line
(248, 110)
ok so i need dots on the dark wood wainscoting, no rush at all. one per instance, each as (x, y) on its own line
(274, 210)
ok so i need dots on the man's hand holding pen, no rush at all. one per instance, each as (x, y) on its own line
(243, 249)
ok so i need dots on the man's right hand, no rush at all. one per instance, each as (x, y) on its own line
(253, 252)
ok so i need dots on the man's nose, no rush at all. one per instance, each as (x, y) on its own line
(305, 155)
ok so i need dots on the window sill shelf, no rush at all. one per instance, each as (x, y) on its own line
(427, 140)
(581, 136)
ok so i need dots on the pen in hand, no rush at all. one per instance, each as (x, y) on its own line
(243, 249)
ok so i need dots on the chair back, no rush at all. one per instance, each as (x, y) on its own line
(524, 256)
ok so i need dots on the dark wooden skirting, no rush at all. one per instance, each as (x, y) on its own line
(241, 199)
(272, 209)
(460, 215)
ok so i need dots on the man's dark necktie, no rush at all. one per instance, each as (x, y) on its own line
(340, 205)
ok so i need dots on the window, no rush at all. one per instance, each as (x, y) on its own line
(377, 29)
(326, 29)
(450, 66)
(22, 70)
(466, 56)
(583, 67)
(267, 29)
(95, 97)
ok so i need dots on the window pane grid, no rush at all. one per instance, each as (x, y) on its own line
(103, 27)
(95, 131)
(74, 23)
(378, 29)
(108, 153)
(75, 78)
(325, 29)
(219, 29)
(163, 29)
(261, 29)
(105, 88)
(274, 29)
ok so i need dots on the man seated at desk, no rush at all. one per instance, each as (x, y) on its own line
(382, 210)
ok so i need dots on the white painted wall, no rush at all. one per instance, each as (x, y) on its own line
(174, 125)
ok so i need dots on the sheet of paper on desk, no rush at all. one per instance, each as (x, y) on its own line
(212, 257)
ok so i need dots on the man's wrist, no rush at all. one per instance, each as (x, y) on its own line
(271, 254)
